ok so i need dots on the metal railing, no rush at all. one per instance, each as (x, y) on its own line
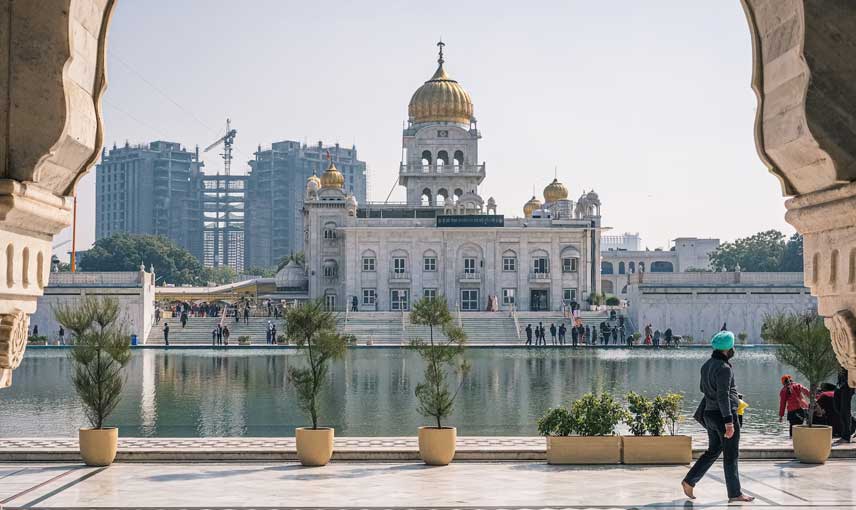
(470, 276)
(402, 275)
(442, 169)
(539, 276)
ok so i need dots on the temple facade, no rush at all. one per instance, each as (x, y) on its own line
(447, 239)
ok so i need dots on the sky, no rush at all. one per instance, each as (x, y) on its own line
(647, 103)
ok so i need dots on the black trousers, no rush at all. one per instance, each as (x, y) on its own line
(795, 418)
(717, 445)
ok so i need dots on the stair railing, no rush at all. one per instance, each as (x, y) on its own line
(403, 326)
(458, 314)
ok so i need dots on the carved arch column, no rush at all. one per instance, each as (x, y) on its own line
(804, 74)
(52, 75)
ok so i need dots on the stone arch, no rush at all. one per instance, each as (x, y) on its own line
(329, 230)
(607, 287)
(621, 267)
(458, 159)
(426, 159)
(330, 268)
(458, 193)
(425, 198)
(662, 266)
(631, 267)
(442, 159)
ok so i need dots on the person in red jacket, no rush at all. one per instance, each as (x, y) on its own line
(793, 398)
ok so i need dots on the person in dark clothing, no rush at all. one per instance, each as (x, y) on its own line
(183, 319)
(214, 336)
(354, 303)
(843, 396)
(615, 335)
(529, 335)
(575, 336)
(667, 337)
(562, 331)
(540, 332)
(588, 335)
(166, 333)
(553, 333)
(824, 411)
(246, 315)
(719, 411)
(225, 334)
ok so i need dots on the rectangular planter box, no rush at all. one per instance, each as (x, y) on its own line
(583, 449)
(657, 449)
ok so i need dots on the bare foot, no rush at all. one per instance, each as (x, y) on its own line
(688, 490)
(743, 498)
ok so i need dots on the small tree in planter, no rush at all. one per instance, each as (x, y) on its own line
(442, 353)
(101, 349)
(742, 336)
(593, 419)
(654, 417)
(804, 343)
(313, 329)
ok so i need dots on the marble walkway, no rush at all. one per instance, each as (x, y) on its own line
(464, 485)
(490, 448)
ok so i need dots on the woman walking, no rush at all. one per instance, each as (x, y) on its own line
(718, 412)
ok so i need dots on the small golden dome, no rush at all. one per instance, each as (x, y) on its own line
(555, 191)
(314, 178)
(332, 177)
(531, 206)
(441, 99)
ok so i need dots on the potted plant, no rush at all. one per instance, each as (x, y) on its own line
(742, 336)
(655, 417)
(101, 349)
(243, 340)
(585, 434)
(313, 329)
(441, 356)
(636, 336)
(804, 344)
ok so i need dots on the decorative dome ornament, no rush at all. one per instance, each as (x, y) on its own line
(555, 191)
(313, 183)
(531, 206)
(441, 99)
(332, 177)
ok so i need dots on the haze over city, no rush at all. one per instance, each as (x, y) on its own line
(659, 121)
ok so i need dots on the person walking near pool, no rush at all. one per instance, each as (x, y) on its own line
(562, 332)
(214, 336)
(542, 337)
(529, 335)
(718, 412)
(793, 399)
(166, 333)
(226, 334)
(553, 333)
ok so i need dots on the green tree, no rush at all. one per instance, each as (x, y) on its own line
(219, 275)
(440, 355)
(804, 344)
(764, 251)
(313, 329)
(125, 252)
(264, 272)
(298, 257)
(101, 349)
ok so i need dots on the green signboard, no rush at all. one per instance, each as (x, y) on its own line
(471, 220)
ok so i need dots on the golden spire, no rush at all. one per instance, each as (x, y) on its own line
(332, 177)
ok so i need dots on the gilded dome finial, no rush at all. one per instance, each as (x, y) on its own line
(440, 45)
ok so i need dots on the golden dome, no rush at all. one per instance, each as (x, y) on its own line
(531, 206)
(555, 191)
(332, 177)
(314, 178)
(441, 99)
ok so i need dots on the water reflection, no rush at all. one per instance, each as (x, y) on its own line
(246, 393)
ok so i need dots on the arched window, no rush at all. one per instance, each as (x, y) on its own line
(426, 197)
(662, 267)
(330, 268)
(329, 230)
(458, 194)
(631, 267)
(621, 268)
(426, 160)
(459, 159)
(442, 197)
(606, 267)
(442, 159)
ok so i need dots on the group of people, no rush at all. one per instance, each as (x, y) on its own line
(655, 338)
(610, 332)
(558, 335)
(271, 333)
(220, 335)
(833, 405)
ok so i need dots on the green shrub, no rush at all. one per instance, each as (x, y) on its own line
(613, 301)
(596, 415)
(668, 408)
(243, 340)
(556, 422)
(37, 340)
(639, 410)
(742, 336)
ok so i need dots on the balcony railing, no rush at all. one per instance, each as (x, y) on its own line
(539, 276)
(401, 276)
(442, 169)
(470, 276)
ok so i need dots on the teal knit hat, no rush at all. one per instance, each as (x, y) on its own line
(722, 341)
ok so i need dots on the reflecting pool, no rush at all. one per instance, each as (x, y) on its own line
(208, 392)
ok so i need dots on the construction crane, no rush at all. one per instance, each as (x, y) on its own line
(227, 140)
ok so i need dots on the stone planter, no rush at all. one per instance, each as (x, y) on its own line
(657, 449)
(314, 446)
(583, 449)
(437, 446)
(98, 446)
(812, 444)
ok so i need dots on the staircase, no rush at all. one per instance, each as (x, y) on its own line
(198, 330)
(372, 327)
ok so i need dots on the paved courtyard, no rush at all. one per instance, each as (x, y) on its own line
(465, 485)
